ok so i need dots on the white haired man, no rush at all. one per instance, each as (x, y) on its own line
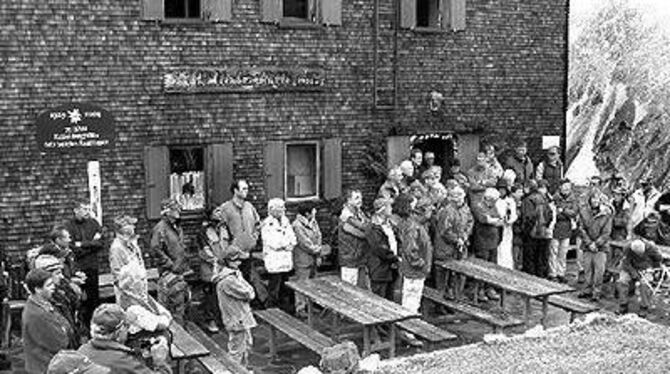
(278, 243)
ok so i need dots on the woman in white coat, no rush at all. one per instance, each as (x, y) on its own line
(508, 211)
(278, 243)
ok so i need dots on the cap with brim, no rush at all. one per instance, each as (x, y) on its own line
(48, 262)
(73, 362)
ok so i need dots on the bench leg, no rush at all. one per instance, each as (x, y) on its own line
(392, 338)
(366, 340)
(503, 293)
(273, 342)
(310, 313)
(335, 328)
(545, 308)
(497, 329)
(527, 314)
(475, 299)
(572, 317)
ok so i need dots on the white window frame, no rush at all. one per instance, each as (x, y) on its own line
(317, 147)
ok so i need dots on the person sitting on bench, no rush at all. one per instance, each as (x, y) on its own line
(639, 255)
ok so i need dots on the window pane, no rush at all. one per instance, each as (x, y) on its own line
(301, 172)
(175, 8)
(428, 13)
(295, 8)
(193, 8)
(187, 177)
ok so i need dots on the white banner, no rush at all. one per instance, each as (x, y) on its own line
(94, 190)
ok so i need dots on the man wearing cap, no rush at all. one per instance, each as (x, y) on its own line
(109, 332)
(59, 246)
(44, 330)
(551, 169)
(520, 163)
(86, 244)
(66, 297)
(453, 226)
(124, 248)
(73, 362)
(639, 256)
(167, 239)
(595, 230)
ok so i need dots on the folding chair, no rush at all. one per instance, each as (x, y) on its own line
(657, 279)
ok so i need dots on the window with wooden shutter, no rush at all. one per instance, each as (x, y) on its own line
(153, 9)
(331, 12)
(332, 168)
(219, 172)
(408, 14)
(218, 10)
(457, 14)
(273, 165)
(271, 10)
(156, 172)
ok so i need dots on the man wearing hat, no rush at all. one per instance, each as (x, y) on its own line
(124, 248)
(109, 332)
(73, 362)
(235, 294)
(520, 163)
(456, 174)
(453, 226)
(167, 241)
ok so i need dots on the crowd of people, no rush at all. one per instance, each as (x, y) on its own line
(519, 214)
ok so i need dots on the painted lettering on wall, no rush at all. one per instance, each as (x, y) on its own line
(75, 126)
(188, 80)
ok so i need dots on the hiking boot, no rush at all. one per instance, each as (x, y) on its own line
(584, 294)
(481, 297)
(581, 278)
(643, 312)
(449, 294)
(212, 327)
(410, 339)
(492, 295)
(595, 298)
(623, 309)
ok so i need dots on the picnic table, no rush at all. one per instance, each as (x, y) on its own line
(526, 285)
(354, 303)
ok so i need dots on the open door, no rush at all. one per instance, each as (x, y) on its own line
(397, 150)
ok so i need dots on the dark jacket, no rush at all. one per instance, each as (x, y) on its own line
(415, 249)
(380, 259)
(86, 255)
(351, 238)
(522, 168)
(620, 221)
(167, 241)
(633, 263)
(308, 236)
(486, 235)
(536, 215)
(569, 209)
(44, 332)
(596, 227)
(114, 355)
(552, 173)
(451, 225)
(67, 302)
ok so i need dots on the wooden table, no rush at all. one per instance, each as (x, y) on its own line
(356, 304)
(526, 285)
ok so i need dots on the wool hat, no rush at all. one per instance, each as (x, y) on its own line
(73, 362)
(123, 220)
(48, 262)
(107, 318)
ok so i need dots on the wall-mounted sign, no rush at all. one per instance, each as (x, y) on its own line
(75, 127)
(190, 80)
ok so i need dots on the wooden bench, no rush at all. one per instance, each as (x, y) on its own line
(218, 361)
(572, 305)
(431, 333)
(9, 308)
(106, 283)
(295, 329)
(498, 322)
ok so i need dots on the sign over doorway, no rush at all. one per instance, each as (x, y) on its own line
(75, 127)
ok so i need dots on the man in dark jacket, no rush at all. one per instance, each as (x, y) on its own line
(639, 256)
(537, 217)
(595, 230)
(567, 208)
(551, 169)
(351, 240)
(520, 163)
(108, 334)
(382, 253)
(86, 243)
(487, 233)
(307, 254)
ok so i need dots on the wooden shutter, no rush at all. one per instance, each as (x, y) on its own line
(408, 14)
(457, 15)
(218, 10)
(152, 9)
(274, 169)
(331, 12)
(397, 150)
(156, 171)
(332, 168)
(445, 14)
(468, 147)
(219, 173)
(271, 11)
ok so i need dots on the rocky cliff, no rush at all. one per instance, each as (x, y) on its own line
(619, 86)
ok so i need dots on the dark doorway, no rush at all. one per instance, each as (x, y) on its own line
(441, 145)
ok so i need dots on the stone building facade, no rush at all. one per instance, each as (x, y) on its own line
(302, 98)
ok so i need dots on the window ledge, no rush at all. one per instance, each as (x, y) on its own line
(291, 200)
(298, 23)
(430, 30)
(183, 21)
